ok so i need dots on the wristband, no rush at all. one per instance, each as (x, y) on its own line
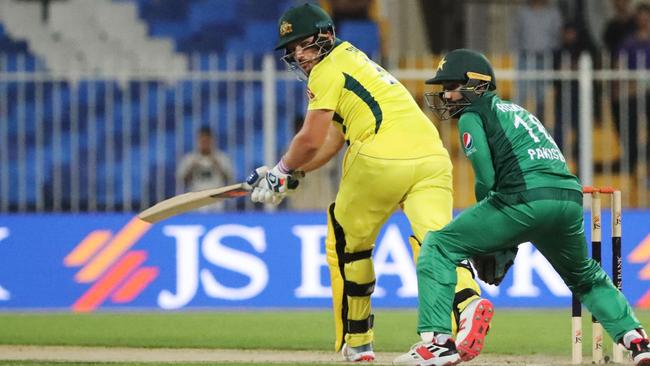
(283, 168)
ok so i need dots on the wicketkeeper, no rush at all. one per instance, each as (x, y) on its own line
(394, 159)
(525, 192)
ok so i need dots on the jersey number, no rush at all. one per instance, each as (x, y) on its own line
(532, 119)
(383, 74)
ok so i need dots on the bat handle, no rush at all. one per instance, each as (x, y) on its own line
(294, 179)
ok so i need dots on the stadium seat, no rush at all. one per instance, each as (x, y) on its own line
(163, 10)
(362, 34)
(9, 46)
(169, 28)
(261, 36)
(259, 10)
(212, 11)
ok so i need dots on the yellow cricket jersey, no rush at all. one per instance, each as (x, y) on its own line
(372, 106)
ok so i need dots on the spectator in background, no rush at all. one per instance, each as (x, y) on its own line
(537, 34)
(619, 27)
(205, 168)
(635, 54)
(575, 40)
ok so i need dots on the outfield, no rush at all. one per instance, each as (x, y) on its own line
(516, 335)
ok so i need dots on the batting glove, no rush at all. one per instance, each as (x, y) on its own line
(255, 177)
(272, 187)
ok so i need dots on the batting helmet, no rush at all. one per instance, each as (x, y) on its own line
(301, 22)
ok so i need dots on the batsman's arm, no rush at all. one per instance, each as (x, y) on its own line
(333, 143)
(478, 153)
(309, 139)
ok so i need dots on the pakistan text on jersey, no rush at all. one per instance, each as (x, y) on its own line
(545, 153)
(509, 107)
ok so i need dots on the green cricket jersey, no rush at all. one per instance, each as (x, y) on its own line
(510, 149)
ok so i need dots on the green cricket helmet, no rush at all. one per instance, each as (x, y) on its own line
(469, 69)
(302, 22)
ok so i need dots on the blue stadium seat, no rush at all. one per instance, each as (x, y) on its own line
(212, 11)
(171, 29)
(362, 34)
(238, 46)
(91, 92)
(31, 186)
(166, 142)
(7, 45)
(255, 9)
(118, 175)
(200, 42)
(27, 113)
(168, 171)
(163, 10)
(261, 36)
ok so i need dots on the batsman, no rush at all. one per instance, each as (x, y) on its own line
(394, 159)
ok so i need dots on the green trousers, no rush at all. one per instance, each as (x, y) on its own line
(550, 218)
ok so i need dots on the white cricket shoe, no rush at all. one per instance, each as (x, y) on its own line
(358, 354)
(640, 352)
(428, 353)
(473, 325)
(637, 342)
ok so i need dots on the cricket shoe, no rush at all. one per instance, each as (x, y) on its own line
(640, 352)
(472, 327)
(358, 354)
(428, 353)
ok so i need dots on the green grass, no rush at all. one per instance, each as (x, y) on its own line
(67, 363)
(515, 332)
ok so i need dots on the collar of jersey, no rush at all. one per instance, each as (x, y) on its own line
(337, 43)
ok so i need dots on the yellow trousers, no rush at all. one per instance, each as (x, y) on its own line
(371, 190)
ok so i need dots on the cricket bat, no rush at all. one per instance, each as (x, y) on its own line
(192, 200)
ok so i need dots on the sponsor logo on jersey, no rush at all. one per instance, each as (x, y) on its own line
(468, 142)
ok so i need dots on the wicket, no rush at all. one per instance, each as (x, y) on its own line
(617, 276)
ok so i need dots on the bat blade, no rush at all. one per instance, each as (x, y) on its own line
(190, 201)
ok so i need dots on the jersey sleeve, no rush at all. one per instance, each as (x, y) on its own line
(475, 146)
(324, 88)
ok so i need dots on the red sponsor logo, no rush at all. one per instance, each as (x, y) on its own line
(113, 270)
(468, 142)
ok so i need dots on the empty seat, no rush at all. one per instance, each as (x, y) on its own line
(362, 34)
(212, 11)
(173, 29)
(163, 10)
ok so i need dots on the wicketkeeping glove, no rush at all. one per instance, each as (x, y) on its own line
(492, 268)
